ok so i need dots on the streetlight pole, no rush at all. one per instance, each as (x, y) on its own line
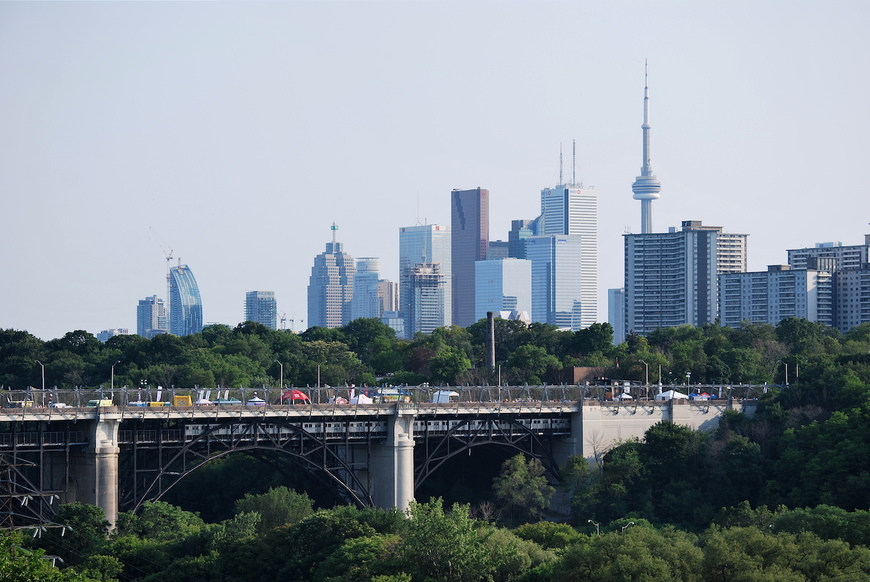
(629, 524)
(597, 527)
(282, 374)
(645, 377)
(318, 375)
(784, 363)
(43, 373)
(113, 374)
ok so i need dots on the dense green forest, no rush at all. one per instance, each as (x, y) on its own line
(367, 352)
(783, 495)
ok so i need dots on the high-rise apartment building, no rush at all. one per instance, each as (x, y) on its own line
(261, 307)
(185, 304)
(330, 287)
(426, 244)
(151, 317)
(850, 267)
(672, 278)
(366, 301)
(556, 280)
(573, 210)
(502, 285)
(469, 212)
(773, 295)
(427, 309)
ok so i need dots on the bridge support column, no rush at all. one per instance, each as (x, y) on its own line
(95, 471)
(392, 474)
(573, 445)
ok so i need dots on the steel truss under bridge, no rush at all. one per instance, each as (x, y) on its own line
(463, 434)
(153, 460)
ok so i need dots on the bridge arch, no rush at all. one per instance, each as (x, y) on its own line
(332, 463)
(470, 433)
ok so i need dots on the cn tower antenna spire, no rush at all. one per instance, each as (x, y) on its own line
(646, 187)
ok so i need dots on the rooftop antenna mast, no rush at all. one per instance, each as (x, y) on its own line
(560, 164)
(574, 162)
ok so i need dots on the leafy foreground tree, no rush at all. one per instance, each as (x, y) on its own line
(522, 489)
(19, 564)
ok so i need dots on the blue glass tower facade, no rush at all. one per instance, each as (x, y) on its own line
(185, 304)
(261, 307)
(556, 280)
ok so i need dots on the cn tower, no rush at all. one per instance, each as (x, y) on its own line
(646, 187)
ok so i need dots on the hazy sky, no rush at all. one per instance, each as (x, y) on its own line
(236, 133)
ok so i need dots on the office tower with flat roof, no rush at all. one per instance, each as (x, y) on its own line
(261, 307)
(773, 295)
(616, 314)
(424, 244)
(330, 287)
(556, 280)
(672, 278)
(502, 285)
(427, 310)
(366, 302)
(151, 317)
(572, 210)
(185, 304)
(469, 227)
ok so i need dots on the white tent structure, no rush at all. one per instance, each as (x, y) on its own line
(671, 395)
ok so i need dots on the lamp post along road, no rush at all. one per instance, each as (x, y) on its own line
(112, 383)
(282, 374)
(645, 377)
(41, 365)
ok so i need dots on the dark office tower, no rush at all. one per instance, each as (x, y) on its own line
(469, 211)
(520, 231)
(330, 288)
(185, 305)
(261, 307)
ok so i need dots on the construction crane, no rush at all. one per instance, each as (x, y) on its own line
(168, 255)
(283, 320)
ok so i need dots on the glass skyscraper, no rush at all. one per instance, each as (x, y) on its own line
(261, 307)
(185, 305)
(469, 227)
(556, 280)
(330, 287)
(426, 244)
(573, 210)
(502, 285)
(366, 300)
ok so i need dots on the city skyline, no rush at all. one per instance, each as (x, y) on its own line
(120, 118)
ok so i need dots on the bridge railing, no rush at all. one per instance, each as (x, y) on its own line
(32, 399)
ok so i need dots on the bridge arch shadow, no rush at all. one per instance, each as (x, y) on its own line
(151, 467)
(463, 436)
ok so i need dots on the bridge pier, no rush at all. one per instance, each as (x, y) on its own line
(94, 472)
(392, 464)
